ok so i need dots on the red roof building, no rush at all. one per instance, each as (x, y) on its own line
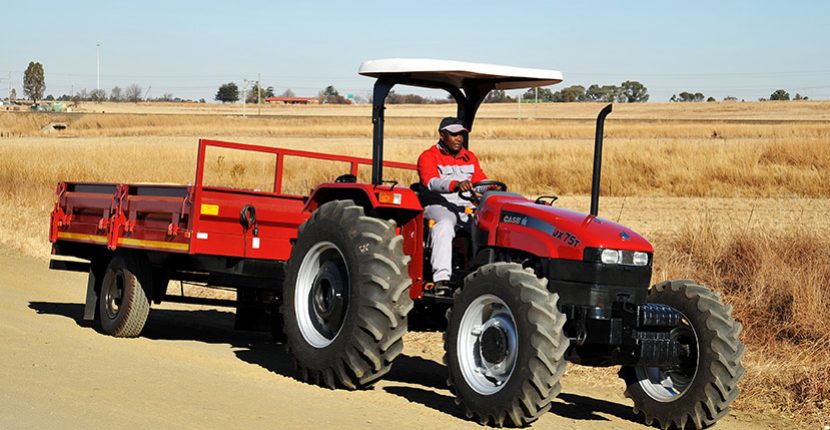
(291, 100)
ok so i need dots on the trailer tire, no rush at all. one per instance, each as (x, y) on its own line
(700, 391)
(123, 304)
(505, 346)
(345, 297)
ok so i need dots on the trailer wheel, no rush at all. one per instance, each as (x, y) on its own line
(345, 297)
(123, 304)
(699, 390)
(505, 346)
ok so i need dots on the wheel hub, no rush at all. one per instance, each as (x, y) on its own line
(327, 301)
(487, 344)
(322, 294)
(667, 385)
(112, 296)
(494, 344)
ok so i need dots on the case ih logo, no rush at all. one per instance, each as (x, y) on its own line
(514, 219)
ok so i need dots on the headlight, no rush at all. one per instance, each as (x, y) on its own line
(610, 256)
(614, 256)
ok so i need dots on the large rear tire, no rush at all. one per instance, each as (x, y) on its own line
(697, 392)
(505, 345)
(346, 297)
(123, 304)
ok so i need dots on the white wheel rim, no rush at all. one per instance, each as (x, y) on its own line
(486, 312)
(667, 385)
(305, 313)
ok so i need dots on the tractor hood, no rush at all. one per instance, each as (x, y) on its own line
(548, 231)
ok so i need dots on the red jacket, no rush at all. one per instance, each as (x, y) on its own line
(440, 171)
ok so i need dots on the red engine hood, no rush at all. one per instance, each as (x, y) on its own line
(550, 231)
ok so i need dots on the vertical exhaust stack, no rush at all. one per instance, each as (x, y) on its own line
(598, 159)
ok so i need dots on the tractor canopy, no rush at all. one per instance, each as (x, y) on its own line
(468, 83)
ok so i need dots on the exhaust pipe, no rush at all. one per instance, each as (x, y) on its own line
(598, 159)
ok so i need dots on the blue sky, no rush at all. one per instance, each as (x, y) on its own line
(745, 49)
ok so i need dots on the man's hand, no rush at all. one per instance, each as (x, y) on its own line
(463, 186)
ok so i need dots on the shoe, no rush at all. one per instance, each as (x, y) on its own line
(442, 288)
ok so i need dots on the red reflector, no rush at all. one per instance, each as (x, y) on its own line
(389, 198)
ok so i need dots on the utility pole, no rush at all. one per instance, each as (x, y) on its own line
(258, 94)
(98, 65)
(244, 90)
(536, 104)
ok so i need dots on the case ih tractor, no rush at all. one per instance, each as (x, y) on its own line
(535, 285)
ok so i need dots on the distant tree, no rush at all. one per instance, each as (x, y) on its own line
(116, 95)
(779, 95)
(202, 101)
(330, 95)
(98, 95)
(228, 93)
(686, 96)
(13, 95)
(730, 99)
(133, 93)
(34, 83)
(167, 97)
(800, 97)
(288, 93)
(605, 93)
(634, 92)
(574, 93)
(498, 96)
(50, 98)
(544, 94)
(711, 99)
(263, 93)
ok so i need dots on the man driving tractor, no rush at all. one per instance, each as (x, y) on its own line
(447, 168)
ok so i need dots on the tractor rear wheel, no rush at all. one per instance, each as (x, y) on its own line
(345, 297)
(505, 345)
(123, 304)
(700, 388)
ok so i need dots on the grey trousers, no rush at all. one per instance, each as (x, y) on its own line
(441, 235)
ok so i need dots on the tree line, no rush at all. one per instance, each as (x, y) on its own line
(34, 86)
(688, 96)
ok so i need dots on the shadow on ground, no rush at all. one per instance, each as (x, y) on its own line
(425, 380)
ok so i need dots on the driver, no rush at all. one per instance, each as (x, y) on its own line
(447, 168)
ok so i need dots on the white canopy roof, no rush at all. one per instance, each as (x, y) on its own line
(455, 72)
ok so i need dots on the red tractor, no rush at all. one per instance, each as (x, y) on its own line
(535, 285)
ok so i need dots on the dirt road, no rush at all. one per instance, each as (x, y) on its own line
(191, 370)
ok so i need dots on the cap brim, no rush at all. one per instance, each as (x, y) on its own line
(455, 128)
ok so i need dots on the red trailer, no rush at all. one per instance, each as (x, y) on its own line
(534, 285)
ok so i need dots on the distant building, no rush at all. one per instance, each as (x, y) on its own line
(292, 100)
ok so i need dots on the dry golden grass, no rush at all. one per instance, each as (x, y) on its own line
(740, 205)
(777, 283)
(802, 110)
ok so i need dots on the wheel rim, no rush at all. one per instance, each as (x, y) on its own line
(487, 344)
(321, 294)
(668, 385)
(113, 294)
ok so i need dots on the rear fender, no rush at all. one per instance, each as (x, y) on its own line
(385, 202)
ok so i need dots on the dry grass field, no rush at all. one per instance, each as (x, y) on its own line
(736, 195)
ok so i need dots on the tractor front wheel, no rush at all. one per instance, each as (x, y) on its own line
(345, 297)
(698, 390)
(505, 345)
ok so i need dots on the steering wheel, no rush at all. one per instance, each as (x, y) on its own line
(473, 196)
